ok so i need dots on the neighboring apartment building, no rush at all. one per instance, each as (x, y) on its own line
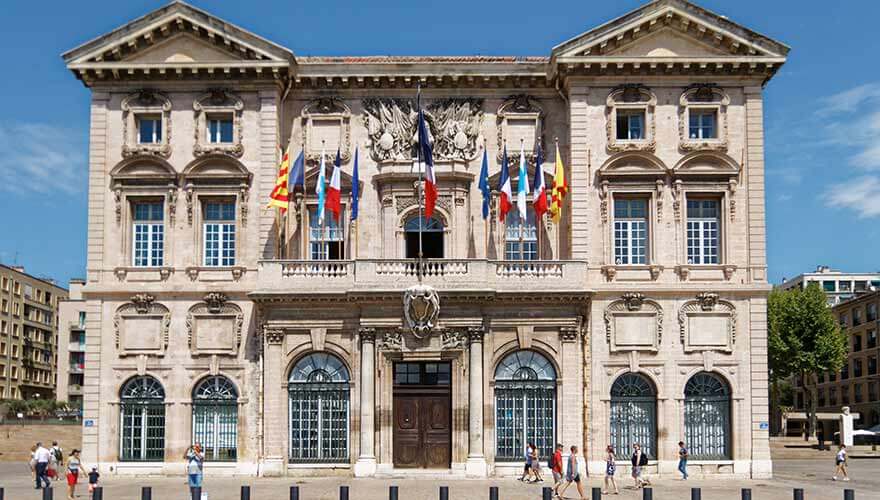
(72, 346)
(857, 385)
(305, 346)
(28, 334)
(837, 285)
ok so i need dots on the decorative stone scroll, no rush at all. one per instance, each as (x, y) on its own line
(421, 306)
(707, 324)
(453, 127)
(214, 326)
(141, 327)
(520, 119)
(630, 98)
(326, 125)
(145, 102)
(218, 101)
(633, 323)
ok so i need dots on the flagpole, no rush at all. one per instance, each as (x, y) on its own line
(325, 247)
(519, 186)
(421, 188)
(301, 208)
(486, 220)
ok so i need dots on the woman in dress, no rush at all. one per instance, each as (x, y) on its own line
(74, 470)
(610, 468)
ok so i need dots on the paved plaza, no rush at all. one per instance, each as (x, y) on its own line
(812, 475)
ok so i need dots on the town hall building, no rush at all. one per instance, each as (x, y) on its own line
(289, 345)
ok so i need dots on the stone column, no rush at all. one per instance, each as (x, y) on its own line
(274, 426)
(570, 401)
(366, 462)
(476, 461)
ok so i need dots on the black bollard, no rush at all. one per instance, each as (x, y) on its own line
(343, 493)
(1, 494)
(798, 494)
(444, 493)
(696, 494)
(196, 493)
(847, 495)
(546, 493)
(493, 493)
(746, 494)
(392, 493)
(647, 494)
(294, 493)
(245, 492)
(146, 493)
(98, 494)
(597, 494)
(47, 493)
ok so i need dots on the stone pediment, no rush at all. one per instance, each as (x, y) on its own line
(183, 48)
(670, 29)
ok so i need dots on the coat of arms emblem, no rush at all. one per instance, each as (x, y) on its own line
(421, 306)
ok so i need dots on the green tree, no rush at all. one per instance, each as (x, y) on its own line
(804, 340)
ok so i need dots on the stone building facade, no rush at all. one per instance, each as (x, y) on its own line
(71, 346)
(295, 346)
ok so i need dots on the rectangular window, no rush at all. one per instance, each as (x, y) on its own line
(702, 124)
(520, 239)
(630, 125)
(325, 240)
(872, 365)
(872, 339)
(219, 129)
(4, 327)
(844, 372)
(857, 368)
(630, 231)
(821, 397)
(16, 288)
(829, 286)
(871, 312)
(702, 231)
(872, 391)
(149, 129)
(857, 316)
(857, 343)
(219, 233)
(5, 286)
(857, 393)
(844, 320)
(149, 234)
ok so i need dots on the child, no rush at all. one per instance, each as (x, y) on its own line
(93, 480)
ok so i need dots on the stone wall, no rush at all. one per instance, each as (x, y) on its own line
(16, 440)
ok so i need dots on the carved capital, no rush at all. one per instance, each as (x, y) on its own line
(367, 335)
(475, 334)
(273, 335)
(569, 334)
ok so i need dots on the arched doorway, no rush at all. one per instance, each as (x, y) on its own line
(633, 414)
(432, 237)
(215, 418)
(525, 405)
(318, 387)
(142, 415)
(707, 417)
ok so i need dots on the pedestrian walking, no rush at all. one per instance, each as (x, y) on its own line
(682, 460)
(536, 465)
(556, 468)
(610, 469)
(33, 462)
(42, 456)
(572, 475)
(53, 468)
(840, 460)
(639, 460)
(94, 476)
(74, 470)
(527, 468)
(194, 466)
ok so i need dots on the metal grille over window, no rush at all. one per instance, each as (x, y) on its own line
(149, 234)
(707, 417)
(325, 240)
(702, 231)
(630, 231)
(525, 405)
(219, 234)
(142, 416)
(215, 418)
(319, 410)
(520, 237)
(633, 414)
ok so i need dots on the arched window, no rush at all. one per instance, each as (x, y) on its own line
(525, 405)
(633, 414)
(215, 418)
(707, 417)
(142, 416)
(319, 409)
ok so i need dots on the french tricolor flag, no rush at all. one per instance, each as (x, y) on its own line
(506, 198)
(428, 158)
(539, 198)
(333, 200)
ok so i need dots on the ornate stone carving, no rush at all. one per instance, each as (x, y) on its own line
(192, 273)
(629, 322)
(661, 189)
(117, 198)
(707, 300)
(172, 203)
(728, 272)
(243, 197)
(610, 272)
(421, 306)
(142, 302)
(731, 197)
(676, 199)
(603, 201)
(237, 272)
(655, 271)
(569, 334)
(145, 102)
(215, 306)
(218, 101)
(367, 335)
(633, 300)
(120, 273)
(189, 196)
(475, 334)
(143, 311)
(391, 340)
(215, 302)
(453, 339)
(704, 96)
(519, 108)
(165, 273)
(323, 111)
(630, 97)
(453, 126)
(273, 335)
(707, 324)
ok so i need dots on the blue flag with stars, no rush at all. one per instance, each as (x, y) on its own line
(484, 184)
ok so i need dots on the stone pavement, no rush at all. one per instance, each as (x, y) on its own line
(812, 475)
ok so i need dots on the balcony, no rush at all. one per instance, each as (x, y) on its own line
(365, 275)
(76, 367)
(75, 390)
(76, 347)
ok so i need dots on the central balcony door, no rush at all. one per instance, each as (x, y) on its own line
(432, 238)
(422, 415)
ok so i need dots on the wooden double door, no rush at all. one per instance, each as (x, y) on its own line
(422, 420)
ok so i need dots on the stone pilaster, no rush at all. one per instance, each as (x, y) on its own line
(366, 462)
(476, 462)
(571, 405)
(275, 432)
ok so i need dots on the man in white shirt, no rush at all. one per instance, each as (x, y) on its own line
(42, 456)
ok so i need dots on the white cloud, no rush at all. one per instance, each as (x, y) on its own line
(849, 100)
(861, 195)
(41, 158)
(851, 120)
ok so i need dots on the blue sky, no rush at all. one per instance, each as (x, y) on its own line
(822, 110)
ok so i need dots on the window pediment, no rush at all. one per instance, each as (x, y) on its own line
(144, 103)
(326, 126)
(707, 101)
(703, 164)
(520, 120)
(216, 169)
(143, 170)
(636, 103)
(632, 166)
(218, 103)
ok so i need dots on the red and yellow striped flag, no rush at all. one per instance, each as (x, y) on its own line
(557, 194)
(280, 197)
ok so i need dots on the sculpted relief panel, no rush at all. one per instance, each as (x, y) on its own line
(453, 126)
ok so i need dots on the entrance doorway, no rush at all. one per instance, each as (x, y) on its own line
(422, 415)
(432, 238)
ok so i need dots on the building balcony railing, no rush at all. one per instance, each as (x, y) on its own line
(76, 367)
(75, 390)
(76, 347)
(304, 276)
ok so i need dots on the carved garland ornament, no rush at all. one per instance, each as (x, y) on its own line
(218, 101)
(145, 102)
(453, 127)
(215, 303)
(707, 303)
(326, 110)
(703, 97)
(142, 304)
(630, 98)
